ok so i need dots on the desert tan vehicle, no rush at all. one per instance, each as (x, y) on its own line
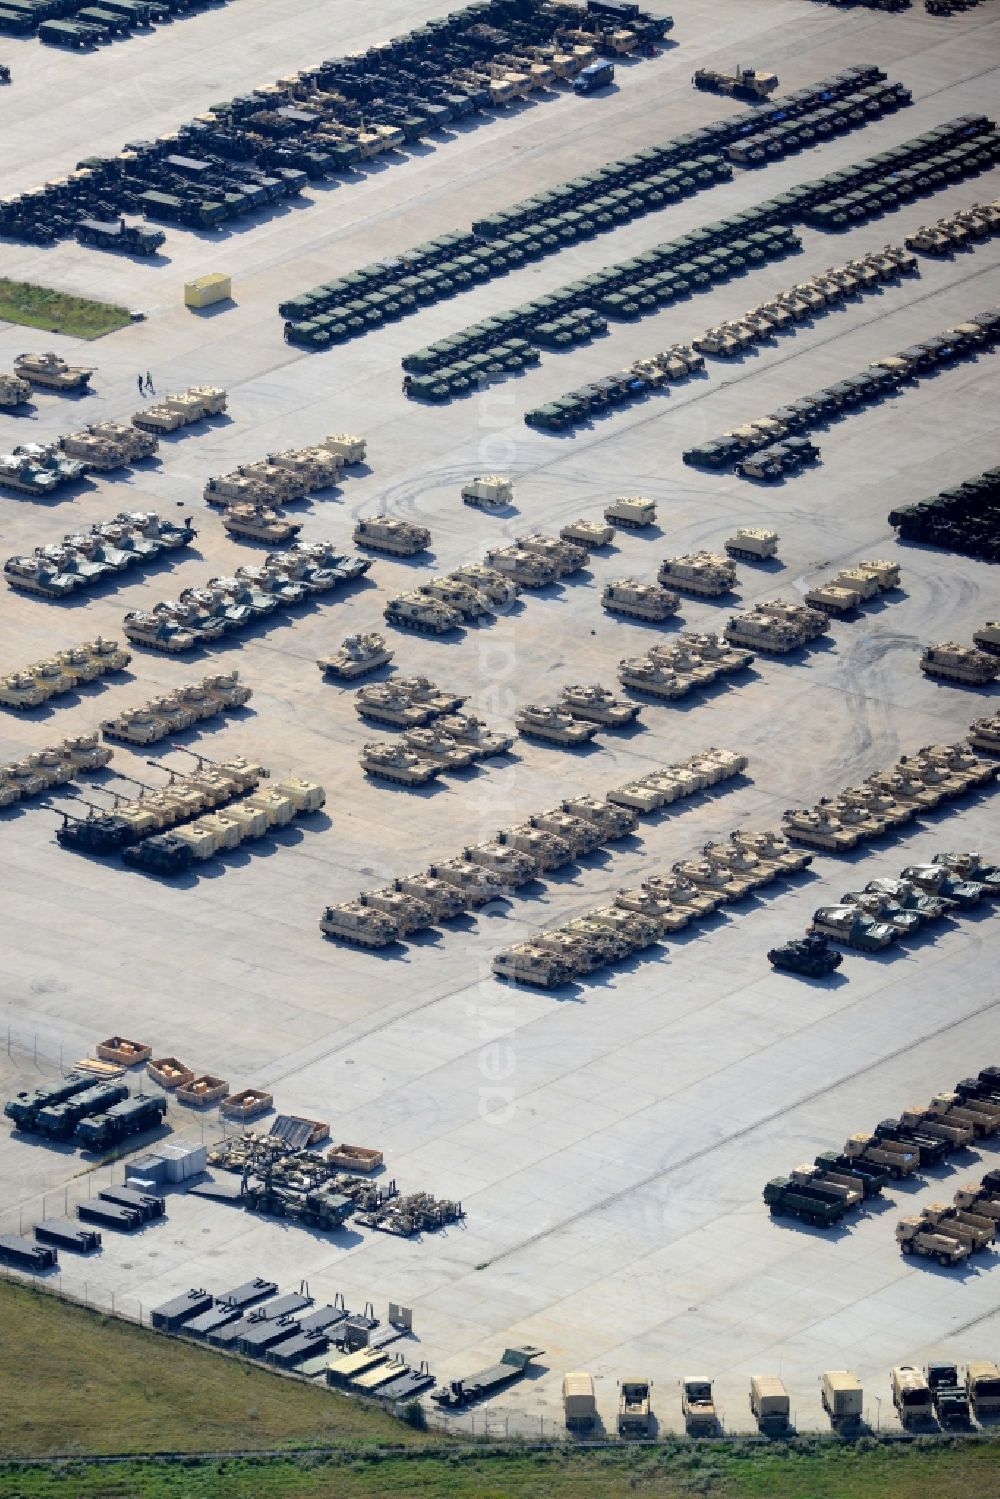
(959, 761)
(489, 492)
(21, 690)
(527, 569)
(53, 676)
(84, 752)
(899, 1160)
(685, 664)
(631, 511)
(438, 748)
(634, 1407)
(914, 1235)
(308, 796)
(817, 828)
(982, 1382)
(765, 633)
(613, 822)
(580, 835)
(51, 371)
(416, 611)
(847, 1189)
(861, 580)
(715, 651)
(770, 848)
(424, 693)
(458, 595)
(740, 864)
(472, 733)
(710, 878)
(564, 556)
(477, 886)
(441, 899)
(579, 1405)
(98, 453)
(357, 655)
(987, 637)
(547, 849)
(312, 468)
(832, 598)
(656, 908)
(979, 1115)
(636, 930)
(753, 544)
(964, 664)
(885, 573)
(595, 704)
(529, 963)
(393, 762)
(639, 600)
(359, 925)
(497, 587)
(703, 573)
(348, 447)
(769, 1402)
(698, 1406)
(984, 734)
(409, 912)
(135, 444)
(259, 523)
(841, 1396)
(644, 674)
(224, 490)
(552, 725)
(13, 391)
(508, 866)
(385, 533)
(589, 534)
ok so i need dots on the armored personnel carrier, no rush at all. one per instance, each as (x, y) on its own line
(643, 674)
(472, 733)
(548, 850)
(596, 704)
(489, 492)
(552, 725)
(498, 588)
(740, 864)
(987, 637)
(415, 611)
(13, 391)
(811, 956)
(385, 533)
(259, 523)
(441, 899)
(98, 453)
(136, 445)
(475, 882)
(853, 928)
(655, 908)
(774, 632)
(579, 834)
(631, 511)
(949, 662)
(818, 829)
(832, 598)
(685, 664)
(436, 747)
(753, 544)
(393, 762)
(455, 593)
(408, 912)
(703, 573)
(526, 963)
(590, 534)
(359, 925)
(564, 556)
(639, 600)
(357, 655)
(51, 371)
(612, 822)
(526, 568)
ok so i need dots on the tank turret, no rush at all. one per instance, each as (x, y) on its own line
(393, 762)
(643, 674)
(357, 655)
(553, 726)
(256, 522)
(472, 733)
(595, 704)
(52, 371)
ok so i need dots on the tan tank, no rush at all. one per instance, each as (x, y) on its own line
(385, 533)
(395, 763)
(753, 544)
(656, 908)
(564, 556)
(498, 588)
(637, 930)
(818, 829)
(408, 912)
(259, 523)
(348, 446)
(706, 574)
(225, 490)
(595, 704)
(775, 627)
(714, 651)
(685, 664)
(881, 805)
(84, 752)
(52, 371)
(771, 848)
(442, 899)
(455, 593)
(359, 925)
(613, 822)
(424, 693)
(20, 689)
(13, 391)
(987, 637)
(706, 875)
(53, 676)
(631, 511)
(553, 726)
(526, 568)
(833, 598)
(546, 850)
(472, 733)
(438, 748)
(973, 769)
(643, 674)
(489, 492)
(582, 950)
(639, 600)
(157, 634)
(357, 655)
(313, 468)
(144, 725)
(96, 452)
(739, 865)
(964, 664)
(852, 813)
(906, 789)
(590, 534)
(984, 734)
(580, 835)
(527, 963)
(415, 611)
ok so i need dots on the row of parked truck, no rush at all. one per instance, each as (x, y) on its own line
(94, 1115)
(963, 519)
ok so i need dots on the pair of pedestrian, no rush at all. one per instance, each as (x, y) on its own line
(148, 383)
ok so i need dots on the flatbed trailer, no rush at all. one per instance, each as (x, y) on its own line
(513, 1365)
(109, 1215)
(25, 1254)
(63, 1233)
(173, 1314)
(145, 1203)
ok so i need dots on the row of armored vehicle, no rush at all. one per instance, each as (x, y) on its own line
(37, 469)
(592, 203)
(132, 539)
(39, 771)
(436, 735)
(980, 332)
(967, 665)
(326, 119)
(956, 230)
(79, 27)
(965, 518)
(283, 477)
(222, 606)
(672, 669)
(887, 910)
(489, 871)
(174, 711)
(984, 734)
(580, 711)
(63, 672)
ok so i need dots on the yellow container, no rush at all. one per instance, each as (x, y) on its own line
(205, 290)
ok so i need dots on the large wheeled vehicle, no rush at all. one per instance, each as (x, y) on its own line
(514, 1363)
(790, 1199)
(950, 1397)
(741, 83)
(115, 234)
(915, 1237)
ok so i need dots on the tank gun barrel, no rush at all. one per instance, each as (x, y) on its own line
(168, 770)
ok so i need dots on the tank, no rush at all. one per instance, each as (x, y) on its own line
(984, 734)
(387, 703)
(881, 906)
(552, 726)
(685, 664)
(714, 651)
(548, 850)
(707, 876)
(415, 611)
(53, 676)
(26, 476)
(357, 655)
(51, 371)
(526, 963)
(525, 568)
(425, 693)
(590, 534)
(384, 533)
(168, 534)
(639, 600)
(818, 829)
(703, 573)
(908, 898)
(359, 925)
(393, 762)
(564, 556)
(770, 848)
(949, 662)
(852, 927)
(971, 865)
(636, 930)
(987, 637)
(259, 523)
(489, 492)
(579, 834)
(595, 704)
(97, 453)
(655, 908)
(497, 587)
(40, 576)
(643, 674)
(753, 544)
(613, 822)
(740, 864)
(472, 733)
(13, 391)
(438, 748)
(455, 593)
(509, 866)
(631, 511)
(22, 690)
(157, 634)
(476, 884)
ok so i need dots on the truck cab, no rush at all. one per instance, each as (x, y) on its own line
(698, 1406)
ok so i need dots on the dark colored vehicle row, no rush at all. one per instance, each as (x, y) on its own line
(965, 519)
(79, 25)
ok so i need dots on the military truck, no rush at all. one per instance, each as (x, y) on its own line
(741, 83)
(915, 1236)
(698, 1406)
(769, 1402)
(897, 1158)
(841, 1396)
(14, 391)
(792, 1199)
(116, 234)
(634, 1407)
(579, 1405)
(911, 1395)
(950, 1397)
(982, 1384)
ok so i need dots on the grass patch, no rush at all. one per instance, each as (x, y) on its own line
(40, 307)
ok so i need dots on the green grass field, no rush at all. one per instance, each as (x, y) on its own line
(40, 307)
(80, 1384)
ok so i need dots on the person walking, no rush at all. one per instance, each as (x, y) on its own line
(138, 381)
(149, 382)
